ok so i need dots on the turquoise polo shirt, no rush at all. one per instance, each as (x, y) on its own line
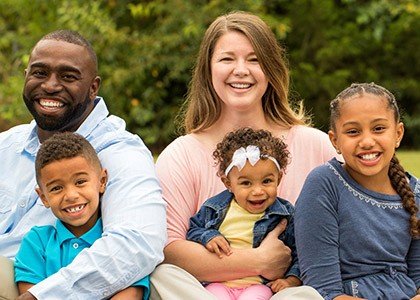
(46, 249)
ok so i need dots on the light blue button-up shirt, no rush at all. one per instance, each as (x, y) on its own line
(133, 212)
(46, 249)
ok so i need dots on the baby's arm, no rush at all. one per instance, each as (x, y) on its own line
(280, 284)
(219, 245)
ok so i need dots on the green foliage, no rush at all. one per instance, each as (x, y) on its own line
(147, 48)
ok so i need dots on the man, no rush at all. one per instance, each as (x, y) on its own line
(60, 91)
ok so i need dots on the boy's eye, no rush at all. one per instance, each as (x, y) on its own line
(56, 188)
(80, 181)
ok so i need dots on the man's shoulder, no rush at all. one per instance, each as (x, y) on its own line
(15, 135)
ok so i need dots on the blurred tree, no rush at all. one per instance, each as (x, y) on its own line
(147, 49)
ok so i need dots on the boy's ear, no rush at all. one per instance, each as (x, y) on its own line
(103, 180)
(42, 196)
(226, 182)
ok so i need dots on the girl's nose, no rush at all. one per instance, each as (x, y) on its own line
(257, 190)
(367, 142)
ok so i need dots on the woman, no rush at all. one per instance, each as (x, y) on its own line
(240, 79)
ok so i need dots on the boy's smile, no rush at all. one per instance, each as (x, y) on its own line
(71, 187)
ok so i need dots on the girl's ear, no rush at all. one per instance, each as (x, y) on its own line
(226, 182)
(42, 196)
(400, 134)
(333, 139)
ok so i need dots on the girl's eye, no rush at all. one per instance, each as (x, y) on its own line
(379, 128)
(245, 183)
(352, 131)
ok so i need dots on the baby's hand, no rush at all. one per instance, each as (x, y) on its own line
(280, 284)
(219, 245)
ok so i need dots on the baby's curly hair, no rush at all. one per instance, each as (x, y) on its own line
(243, 137)
(64, 145)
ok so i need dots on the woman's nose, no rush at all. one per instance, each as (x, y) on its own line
(240, 69)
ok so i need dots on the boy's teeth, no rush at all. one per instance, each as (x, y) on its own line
(75, 209)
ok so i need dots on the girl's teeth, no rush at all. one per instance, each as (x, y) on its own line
(369, 156)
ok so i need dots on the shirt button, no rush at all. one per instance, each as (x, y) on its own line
(22, 204)
(75, 245)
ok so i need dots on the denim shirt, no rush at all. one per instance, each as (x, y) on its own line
(204, 225)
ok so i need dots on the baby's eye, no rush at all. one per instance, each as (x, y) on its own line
(245, 183)
(267, 180)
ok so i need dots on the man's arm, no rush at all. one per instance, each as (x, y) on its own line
(134, 225)
(271, 259)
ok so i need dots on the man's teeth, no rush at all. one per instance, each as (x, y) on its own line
(49, 103)
(240, 85)
(75, 208)
(371, 156)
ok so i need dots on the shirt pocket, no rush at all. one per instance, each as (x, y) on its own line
(6, 200)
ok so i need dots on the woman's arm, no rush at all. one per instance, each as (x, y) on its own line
(271, 259)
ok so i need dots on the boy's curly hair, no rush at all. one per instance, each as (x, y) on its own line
(64, 145)
(243, 137)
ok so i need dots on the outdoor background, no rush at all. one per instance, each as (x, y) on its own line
(146, 51)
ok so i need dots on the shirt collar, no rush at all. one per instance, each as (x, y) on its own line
(89, 237)
(99, 113)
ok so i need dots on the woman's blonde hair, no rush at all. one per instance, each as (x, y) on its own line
(203, 106)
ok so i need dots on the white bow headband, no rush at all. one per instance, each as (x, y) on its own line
(252, 154)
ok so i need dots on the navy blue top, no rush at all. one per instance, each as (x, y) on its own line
(205, 224)
(355, 241)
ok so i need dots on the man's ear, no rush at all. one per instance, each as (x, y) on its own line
(94, 88)
(226, 182)
(42, 196)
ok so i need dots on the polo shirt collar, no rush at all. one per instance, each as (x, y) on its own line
(89, 237)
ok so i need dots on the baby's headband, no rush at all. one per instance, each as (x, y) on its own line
(252, 154)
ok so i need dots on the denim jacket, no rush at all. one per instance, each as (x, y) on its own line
(204, 225)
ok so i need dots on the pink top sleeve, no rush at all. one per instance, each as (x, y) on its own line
(187, 173)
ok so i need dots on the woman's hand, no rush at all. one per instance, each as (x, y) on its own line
(276, 257)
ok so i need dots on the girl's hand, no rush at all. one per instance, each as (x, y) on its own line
(219, 245)
(132, 293)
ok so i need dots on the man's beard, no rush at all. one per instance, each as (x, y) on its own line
(72, 115)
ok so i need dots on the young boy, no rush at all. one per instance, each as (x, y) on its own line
(71, 182)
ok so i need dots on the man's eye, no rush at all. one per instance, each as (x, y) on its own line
(69, 77)
(39, 73)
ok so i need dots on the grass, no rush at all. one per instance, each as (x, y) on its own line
(410, 160)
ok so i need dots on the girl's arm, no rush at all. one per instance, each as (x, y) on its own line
(24, 286)
(317, 235)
